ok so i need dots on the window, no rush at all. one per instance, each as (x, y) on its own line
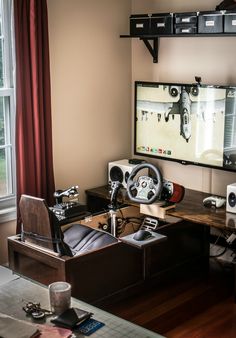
(7, 114)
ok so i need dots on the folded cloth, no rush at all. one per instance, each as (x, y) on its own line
(47, 331)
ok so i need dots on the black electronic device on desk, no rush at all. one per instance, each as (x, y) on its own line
(71, 208)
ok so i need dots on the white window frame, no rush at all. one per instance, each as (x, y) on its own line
(8, 202)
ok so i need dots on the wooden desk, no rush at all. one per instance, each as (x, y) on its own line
(16, 293)
(190, 208)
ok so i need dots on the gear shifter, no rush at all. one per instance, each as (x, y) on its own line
(115, 187)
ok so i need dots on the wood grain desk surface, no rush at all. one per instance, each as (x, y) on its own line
(191, 208)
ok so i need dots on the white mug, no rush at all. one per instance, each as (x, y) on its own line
(59, 296)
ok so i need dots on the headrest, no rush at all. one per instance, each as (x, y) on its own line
(40, 226)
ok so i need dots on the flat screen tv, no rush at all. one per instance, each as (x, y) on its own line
(188, 123)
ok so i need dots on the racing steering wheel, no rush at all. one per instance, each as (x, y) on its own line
(147, 188)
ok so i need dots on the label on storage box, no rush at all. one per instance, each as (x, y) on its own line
(160, 24)
(139, 25)
(210, 23)
(186, 20)
(233, 22)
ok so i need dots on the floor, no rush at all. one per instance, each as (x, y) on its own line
(6, 275)
(219, 321)
(191, 307)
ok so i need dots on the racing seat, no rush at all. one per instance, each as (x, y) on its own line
(40, 226)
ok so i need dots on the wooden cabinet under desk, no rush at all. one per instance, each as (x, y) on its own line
(187, 238)
(192, 212)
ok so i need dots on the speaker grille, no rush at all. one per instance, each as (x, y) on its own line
(116, 174)
(232, 199)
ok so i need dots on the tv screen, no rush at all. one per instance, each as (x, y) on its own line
(188, 123)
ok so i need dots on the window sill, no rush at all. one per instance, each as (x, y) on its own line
(7, 214)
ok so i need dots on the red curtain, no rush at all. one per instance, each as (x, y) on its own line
(34, 161)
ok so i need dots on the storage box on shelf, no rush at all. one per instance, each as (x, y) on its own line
(162, 24)
(210, 22)
(194, 23)
(185, 23)
(230, 22)
(139, 24)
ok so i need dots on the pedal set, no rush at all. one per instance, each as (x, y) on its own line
(150, 223)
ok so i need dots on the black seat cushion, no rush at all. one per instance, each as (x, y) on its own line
(81, 238)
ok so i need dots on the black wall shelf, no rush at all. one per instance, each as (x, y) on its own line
(152, 41)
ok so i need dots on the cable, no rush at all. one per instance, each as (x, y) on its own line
(220, 254)
(214, 244)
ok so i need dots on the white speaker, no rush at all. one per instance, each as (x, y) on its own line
(230, 221)
(231, 198)
(120, 171)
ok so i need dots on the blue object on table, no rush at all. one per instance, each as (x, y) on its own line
(89, 326)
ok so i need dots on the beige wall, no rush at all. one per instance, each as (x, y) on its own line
(180, 59)
(92, 71)
(6, 230)
(91, 88)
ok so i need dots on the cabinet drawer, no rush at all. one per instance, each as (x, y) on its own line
(186, 18)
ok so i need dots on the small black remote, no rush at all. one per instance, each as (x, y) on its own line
(136, 161)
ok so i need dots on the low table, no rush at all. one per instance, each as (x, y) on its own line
(17, 292)
(144, 245)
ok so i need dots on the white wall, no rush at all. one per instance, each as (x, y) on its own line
(180, 59)
(91, 89)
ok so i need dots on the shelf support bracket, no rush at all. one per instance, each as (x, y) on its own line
(153, 48)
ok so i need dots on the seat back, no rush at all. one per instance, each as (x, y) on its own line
(40, 226)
